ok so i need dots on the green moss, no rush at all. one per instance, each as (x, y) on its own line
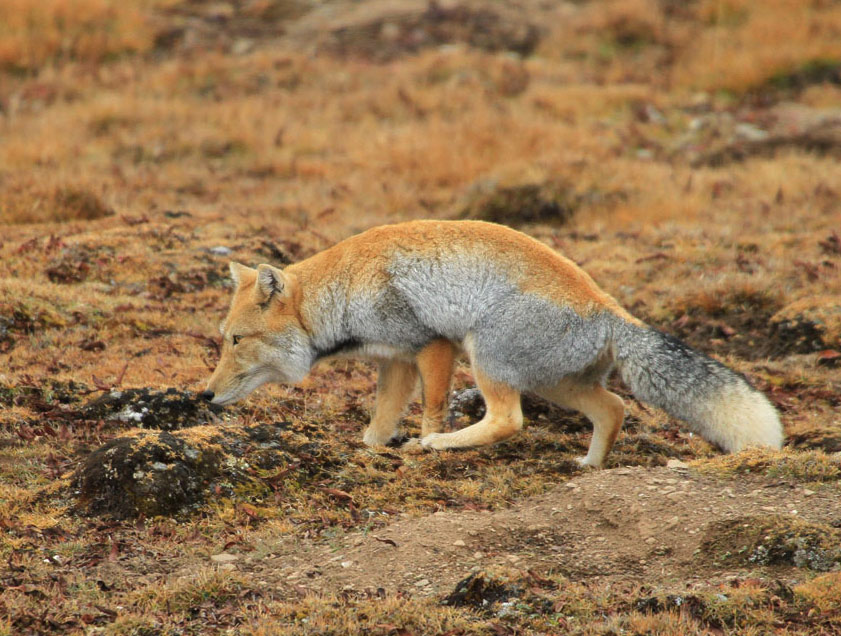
(772, 540)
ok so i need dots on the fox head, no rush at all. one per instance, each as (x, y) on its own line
(263, 339)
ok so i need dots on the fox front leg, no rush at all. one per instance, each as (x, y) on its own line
(435, 364)
(395, 385)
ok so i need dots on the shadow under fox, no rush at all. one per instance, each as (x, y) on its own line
(412, 295)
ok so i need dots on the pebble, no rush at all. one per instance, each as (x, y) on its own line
(459, 543)
(220, 250)
(346, 564)
(808, 492)
(676, 464)
(422, 583)
(223, 557)
(478, 555)
(571, 484)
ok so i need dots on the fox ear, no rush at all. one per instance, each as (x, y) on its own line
(270, 281)
(238, 271)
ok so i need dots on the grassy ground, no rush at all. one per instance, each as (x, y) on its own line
(685, 154)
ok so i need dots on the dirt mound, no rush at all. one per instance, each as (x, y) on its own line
(756, 326)
(233, 25)
(551, 202)
(764, 133)
(384, 30)
(610, 524)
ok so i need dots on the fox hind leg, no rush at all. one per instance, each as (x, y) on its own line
(395, 385)
(435, 363)
(503, 418)
(604, 409)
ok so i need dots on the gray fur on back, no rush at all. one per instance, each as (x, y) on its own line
(518, 338)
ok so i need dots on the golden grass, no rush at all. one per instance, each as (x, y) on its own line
(807, 466)
(296, 151)
(34, 33)
(748, 42)
(30, 203)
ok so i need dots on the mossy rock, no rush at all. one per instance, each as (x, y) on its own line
(152, 473)
(168, 410)
(773, 540)
(479, 590)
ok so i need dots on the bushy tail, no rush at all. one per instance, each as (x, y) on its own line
(716, 402)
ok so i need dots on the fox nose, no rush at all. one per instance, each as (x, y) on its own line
(207, 395)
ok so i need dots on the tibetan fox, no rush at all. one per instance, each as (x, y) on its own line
(411, 295)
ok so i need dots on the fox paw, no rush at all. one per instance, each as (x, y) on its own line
(375, 438)
(412, 445)
(435, 441)
(584, 462)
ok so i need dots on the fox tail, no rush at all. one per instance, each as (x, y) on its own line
(715, 402)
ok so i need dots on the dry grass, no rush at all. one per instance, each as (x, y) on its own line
(275, 153)
(748, 42)
(35, 33)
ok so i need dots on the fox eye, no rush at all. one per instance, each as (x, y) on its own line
(236, 339)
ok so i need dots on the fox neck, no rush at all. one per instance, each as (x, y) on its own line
(322, 303)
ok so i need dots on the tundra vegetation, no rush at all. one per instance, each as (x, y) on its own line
(684, 153)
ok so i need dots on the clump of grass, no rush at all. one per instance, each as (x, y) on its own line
(38, 32)
(212, 588)
(805, 466)
(746, 43)
(631, 24)
(33, 204)
(823, 592)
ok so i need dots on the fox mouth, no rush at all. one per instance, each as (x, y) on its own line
(243, 387)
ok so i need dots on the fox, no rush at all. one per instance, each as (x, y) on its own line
(414, 296)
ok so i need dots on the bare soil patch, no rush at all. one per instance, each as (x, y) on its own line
(654, 524)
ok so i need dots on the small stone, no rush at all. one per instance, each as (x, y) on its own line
(422, 583)
(227, 566)
(571, 484)
(223, 557)
(650, 540)
(676, 464)
(808, 492)
(346, 564)
(478, 555)
(459, 543)
(750, 132)
(220, 250)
